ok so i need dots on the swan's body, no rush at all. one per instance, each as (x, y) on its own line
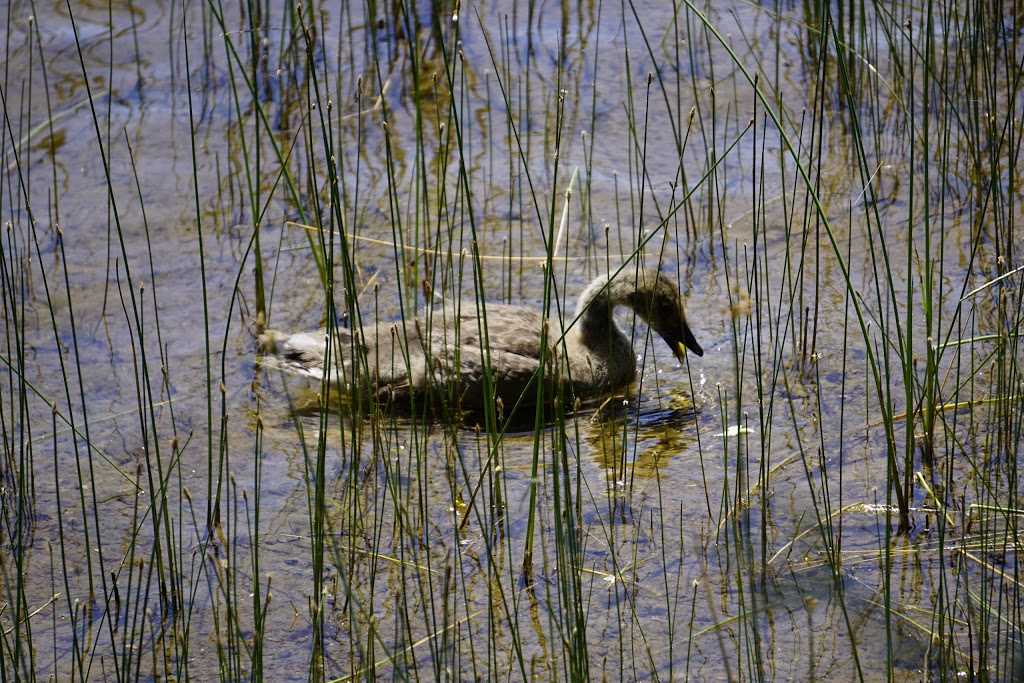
(444, 352)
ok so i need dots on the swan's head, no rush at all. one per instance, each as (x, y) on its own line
(657, 300)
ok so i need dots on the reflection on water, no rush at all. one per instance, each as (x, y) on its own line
(633, 438)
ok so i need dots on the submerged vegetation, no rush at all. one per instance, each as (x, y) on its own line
(831, 491)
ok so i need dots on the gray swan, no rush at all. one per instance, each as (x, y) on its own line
(441, 353)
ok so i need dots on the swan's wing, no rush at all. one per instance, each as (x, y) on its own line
(509, 329)
(432, 352)
(457, 354)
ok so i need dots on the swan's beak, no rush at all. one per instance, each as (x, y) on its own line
(687, 342)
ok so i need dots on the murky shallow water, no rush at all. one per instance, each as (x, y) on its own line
(670, 516)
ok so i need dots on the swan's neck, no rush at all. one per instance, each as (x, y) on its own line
(606, 351)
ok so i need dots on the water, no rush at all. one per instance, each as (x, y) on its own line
(706, 509)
